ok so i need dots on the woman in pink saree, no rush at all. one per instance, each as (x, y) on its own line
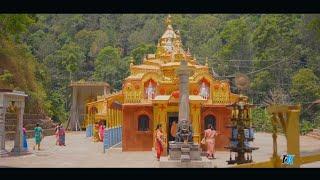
(101, 131)
(209, 135)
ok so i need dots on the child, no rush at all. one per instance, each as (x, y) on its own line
(25, 143)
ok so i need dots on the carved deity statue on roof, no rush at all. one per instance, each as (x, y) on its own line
(204, 91)
(150, 91)
(169, 46)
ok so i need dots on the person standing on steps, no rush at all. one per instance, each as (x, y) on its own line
(37, 136)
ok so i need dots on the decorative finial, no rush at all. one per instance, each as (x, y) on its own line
(131, 61)
(168, 21)
(206, 62)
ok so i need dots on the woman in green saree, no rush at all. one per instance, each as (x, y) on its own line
(37, 136)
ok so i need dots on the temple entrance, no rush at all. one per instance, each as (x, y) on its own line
(172, 126)
(210, 119)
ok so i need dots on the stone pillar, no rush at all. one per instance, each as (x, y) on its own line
(3, 151)
(73, 120)
(184, 109)
(18, 140)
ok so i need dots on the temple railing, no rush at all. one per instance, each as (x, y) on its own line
(132, 97)
(220, 98)
(112, 136)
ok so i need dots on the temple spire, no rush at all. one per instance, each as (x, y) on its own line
(131, 61)
(168, 22)
(206, 62)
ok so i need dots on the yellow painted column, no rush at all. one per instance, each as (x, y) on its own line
(155, 121)
(293, 135)
(117, 117)
(195, 115)
(163, 121)
(114, 118)
(111, 118)
(120, 112)
(108, 118)
(160, 117)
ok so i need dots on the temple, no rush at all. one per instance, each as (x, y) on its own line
(150, 97)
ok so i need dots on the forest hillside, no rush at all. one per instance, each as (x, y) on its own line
(41, 53)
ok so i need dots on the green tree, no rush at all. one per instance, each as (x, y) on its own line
(42, 44)
(11, 25)
(72, 58)
(305, 86)
(141, 51)
(106, 65)
(261, 120)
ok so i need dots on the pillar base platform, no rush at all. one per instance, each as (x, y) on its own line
(165, 162)
(19, 151)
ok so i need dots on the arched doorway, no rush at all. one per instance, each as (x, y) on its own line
(143, 123)
(210, 119)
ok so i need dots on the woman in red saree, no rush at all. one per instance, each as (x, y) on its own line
(209, 135)
(159, 141)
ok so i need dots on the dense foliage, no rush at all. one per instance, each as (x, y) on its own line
(41, 53)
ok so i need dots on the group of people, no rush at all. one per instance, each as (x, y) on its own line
(98, 133)
(208, 140)
(60, 135)
(37, 136)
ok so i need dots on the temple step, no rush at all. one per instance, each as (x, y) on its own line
(185, 158)
(185, 150)
(315, 133)
(316, 130)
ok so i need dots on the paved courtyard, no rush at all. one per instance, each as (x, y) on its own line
(82, 152)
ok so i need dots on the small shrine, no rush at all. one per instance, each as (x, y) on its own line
(84, 92)
(13, 101)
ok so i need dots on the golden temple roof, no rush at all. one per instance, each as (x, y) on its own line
(89, 83)
(168, 55)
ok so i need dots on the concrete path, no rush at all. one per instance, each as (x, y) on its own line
(82, 152)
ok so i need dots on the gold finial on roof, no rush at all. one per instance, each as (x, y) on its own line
(168, 20)
(206, 61)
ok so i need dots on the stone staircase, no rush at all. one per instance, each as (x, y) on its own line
(185, 154)
(315, 133)
(29, 122)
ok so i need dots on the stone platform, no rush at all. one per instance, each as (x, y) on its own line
(203, 163)
(184, 152)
